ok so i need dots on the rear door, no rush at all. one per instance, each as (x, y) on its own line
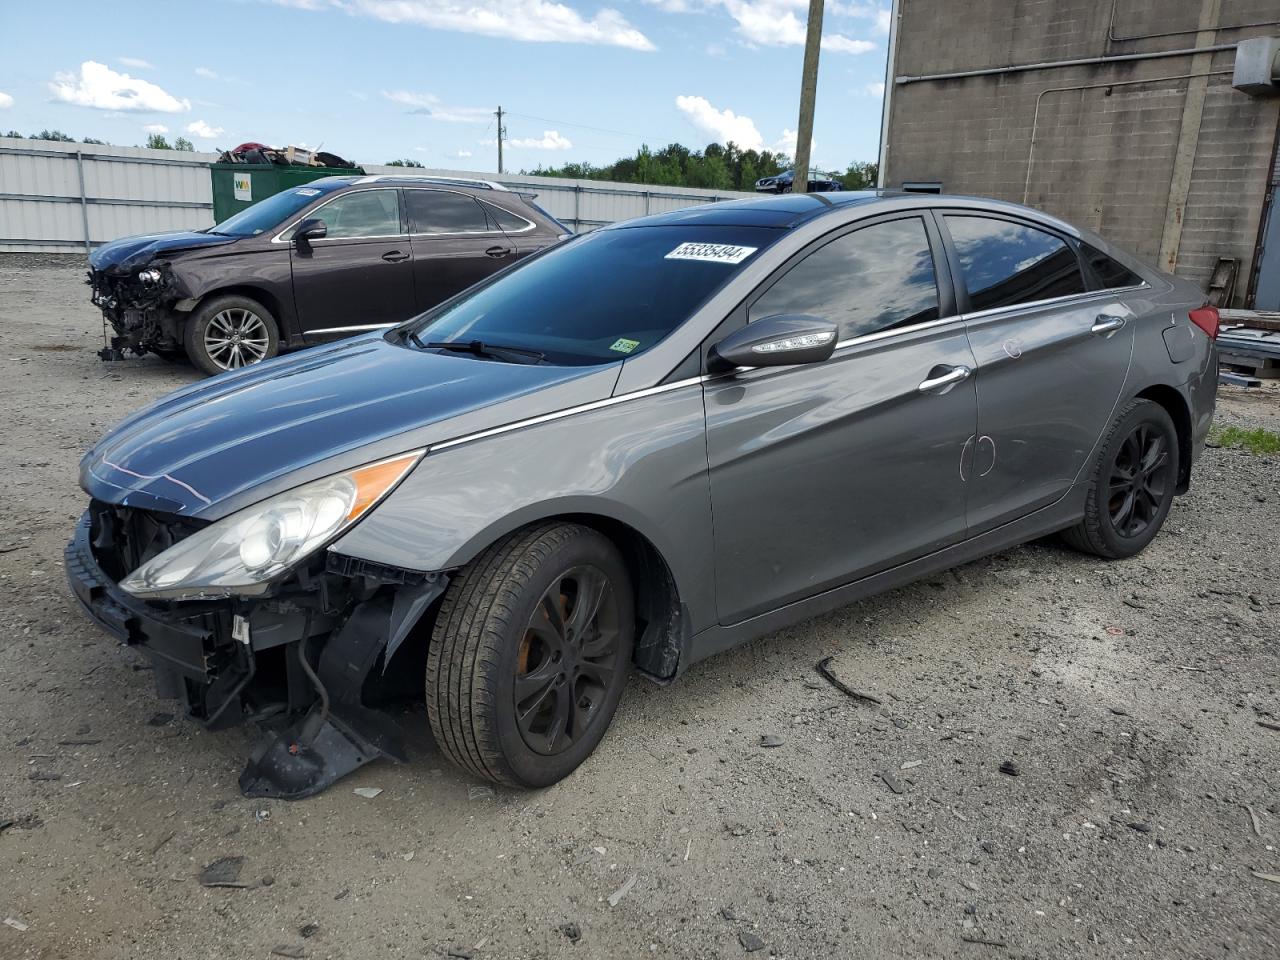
(359, 276)
(1052, 356)
(455, 243)
(825, 473)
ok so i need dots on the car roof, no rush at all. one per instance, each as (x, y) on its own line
(407, 180)
(789, 210)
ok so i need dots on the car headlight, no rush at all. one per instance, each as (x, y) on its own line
(150, 275)
(242, 553)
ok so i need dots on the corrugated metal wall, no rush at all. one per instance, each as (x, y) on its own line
(50, 192)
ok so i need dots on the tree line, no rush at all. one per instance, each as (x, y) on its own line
(716, 167)
(155, 141)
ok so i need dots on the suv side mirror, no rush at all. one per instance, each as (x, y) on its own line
(777, 341)
(313, 228)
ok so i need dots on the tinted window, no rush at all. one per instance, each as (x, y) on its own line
(506, 219)
(600, 296)
(367, 213)
(1004, 263)
(873, 279)
(1110, 274)
(437, 211)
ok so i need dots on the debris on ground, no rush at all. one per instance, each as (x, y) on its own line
(771, 740)
(308, 930)
(1010, 769)
(367, 792)
(572, 932)
(288, 950)
(750, 942)
(622, 891)
(160, 719)
(223, 872)
(15, 923)
(892, 782)
(824, 668)
(1270, 877)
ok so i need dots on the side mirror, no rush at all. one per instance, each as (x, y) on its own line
(313, 228)
(778, 341)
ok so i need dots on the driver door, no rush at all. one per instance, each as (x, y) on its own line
(359, 276)
(824, 473)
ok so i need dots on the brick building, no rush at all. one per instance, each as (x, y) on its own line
(1118, 115)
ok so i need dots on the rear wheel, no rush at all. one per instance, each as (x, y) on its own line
(230, 332)
(529, 655)
(1132, 484)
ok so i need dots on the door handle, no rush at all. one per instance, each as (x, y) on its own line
(498, 252)
(945, 382)
(1106, 324)
(394, 256)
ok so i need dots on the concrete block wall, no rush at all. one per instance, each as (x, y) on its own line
(1103, 157)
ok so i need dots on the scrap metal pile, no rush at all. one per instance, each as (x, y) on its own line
(282, 156)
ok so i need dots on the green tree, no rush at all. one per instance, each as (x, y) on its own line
(94, 140)
(15, 134)
(57, 135)
(859, 176)
(403, 163)
(156, 141)
(182, 143)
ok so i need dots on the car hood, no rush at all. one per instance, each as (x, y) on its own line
(224, 443)
(132, 253)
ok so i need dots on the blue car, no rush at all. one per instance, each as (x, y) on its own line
(783, 181)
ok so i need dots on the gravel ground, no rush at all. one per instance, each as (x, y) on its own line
(1134, 706)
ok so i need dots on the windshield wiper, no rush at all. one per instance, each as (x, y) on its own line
(494, 351)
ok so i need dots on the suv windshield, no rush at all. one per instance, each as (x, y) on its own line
(265, 214)
(602, 296)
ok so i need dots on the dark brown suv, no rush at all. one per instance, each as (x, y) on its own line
(333, 258)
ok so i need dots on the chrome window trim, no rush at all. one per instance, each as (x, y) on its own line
(339, 196)
(528, 224)
(352, 329)
(898, 331)
(1032, 304)
(568, 412)
(444, 233)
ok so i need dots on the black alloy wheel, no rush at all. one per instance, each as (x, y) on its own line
(1139, 479)
(566, 660)
(1131, 485)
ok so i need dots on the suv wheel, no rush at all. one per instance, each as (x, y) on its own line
(1132, 484)
(230, 332)
(529, 655)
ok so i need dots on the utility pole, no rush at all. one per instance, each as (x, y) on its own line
(502, 132)
(808, 93)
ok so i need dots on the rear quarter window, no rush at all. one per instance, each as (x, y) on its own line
(1005, 263)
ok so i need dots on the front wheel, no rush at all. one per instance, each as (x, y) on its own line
(530, 653)
(230, 332)
(1132, 484)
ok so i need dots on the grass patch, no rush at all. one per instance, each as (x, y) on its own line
(1258, 441)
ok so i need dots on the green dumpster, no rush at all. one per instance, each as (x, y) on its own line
(238, 185)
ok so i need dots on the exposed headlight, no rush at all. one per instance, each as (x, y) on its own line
(242, 553)
(150, 275)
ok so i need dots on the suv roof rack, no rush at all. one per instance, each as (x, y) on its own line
(448, 181)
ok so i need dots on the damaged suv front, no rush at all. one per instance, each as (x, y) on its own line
(140, 287)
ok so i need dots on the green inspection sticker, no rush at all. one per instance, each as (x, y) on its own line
(623, 345)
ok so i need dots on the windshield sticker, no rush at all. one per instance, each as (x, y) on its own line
(623, 345)
(711, 252)
(308, 192)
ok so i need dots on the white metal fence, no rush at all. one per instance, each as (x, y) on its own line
(70, 197)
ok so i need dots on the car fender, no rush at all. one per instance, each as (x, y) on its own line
(636, 461)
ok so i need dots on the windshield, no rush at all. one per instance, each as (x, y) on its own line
(268, 213)
(601, 296)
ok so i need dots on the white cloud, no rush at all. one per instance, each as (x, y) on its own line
(724, 125)
(874, 89)
(788, 141)
(550, 140)
(155, 128)
(136, 62)
(429, 105)
(535, 21)
(206, 73)
(97, 85)
(201, 129)
(781, 23)
(463, 154)
(6, 101)
(884, 18)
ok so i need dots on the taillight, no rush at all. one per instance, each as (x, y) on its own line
(1206, 318)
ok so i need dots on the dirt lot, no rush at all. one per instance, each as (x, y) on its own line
(1138, 702)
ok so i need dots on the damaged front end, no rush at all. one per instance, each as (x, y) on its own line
(307, 657)
(139, 307)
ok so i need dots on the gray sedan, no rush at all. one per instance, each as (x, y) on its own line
(630, 451)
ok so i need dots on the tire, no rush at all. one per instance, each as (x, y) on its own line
(230, 315)
(1120, 519)
(495, 642)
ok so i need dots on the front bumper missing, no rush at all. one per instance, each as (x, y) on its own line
(318, 725)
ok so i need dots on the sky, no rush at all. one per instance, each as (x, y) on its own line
(375, 80)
